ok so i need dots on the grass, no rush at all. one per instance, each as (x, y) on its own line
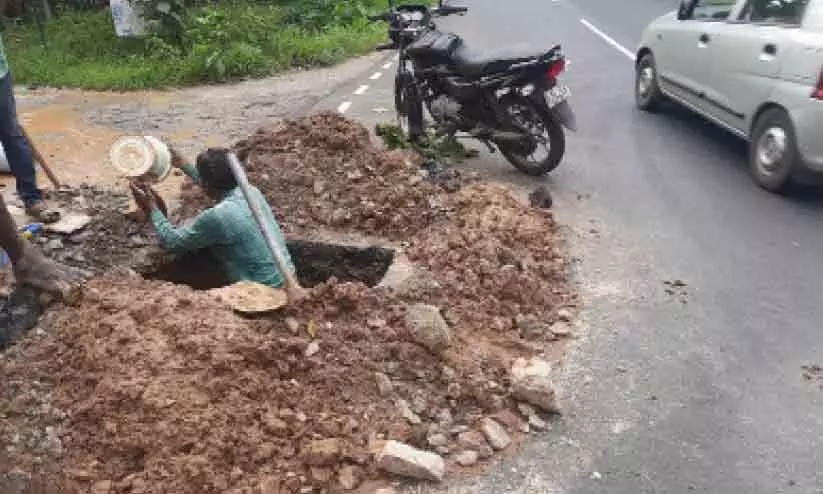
(224, 43)
(430, 145)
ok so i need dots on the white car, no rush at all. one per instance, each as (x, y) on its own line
(754, 67)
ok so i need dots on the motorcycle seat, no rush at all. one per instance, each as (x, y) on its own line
(474, 64)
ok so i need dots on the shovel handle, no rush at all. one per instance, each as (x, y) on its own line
(293, 288)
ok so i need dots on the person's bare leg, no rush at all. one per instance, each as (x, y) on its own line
(10, 241)
(30, 266)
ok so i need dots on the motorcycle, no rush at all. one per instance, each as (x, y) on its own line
(514, 103)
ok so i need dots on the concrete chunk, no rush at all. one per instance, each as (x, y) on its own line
(401, 459)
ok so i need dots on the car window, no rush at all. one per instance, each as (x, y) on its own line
(774, 11)
(712, 10)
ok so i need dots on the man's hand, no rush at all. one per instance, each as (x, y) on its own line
(144, 196)
(177, 160)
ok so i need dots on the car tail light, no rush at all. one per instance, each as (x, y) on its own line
(556, 68)
(818, 90)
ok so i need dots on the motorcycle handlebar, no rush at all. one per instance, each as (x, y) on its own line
(449, 10)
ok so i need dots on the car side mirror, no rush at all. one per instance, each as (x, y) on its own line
(686, 9)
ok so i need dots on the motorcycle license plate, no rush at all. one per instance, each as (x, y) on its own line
(557, 95)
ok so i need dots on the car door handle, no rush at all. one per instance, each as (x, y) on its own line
(770, 49)
(704, 38)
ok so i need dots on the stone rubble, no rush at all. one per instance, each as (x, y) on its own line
(531, 382)
(404, 460)
(495, 434)
(427, 327)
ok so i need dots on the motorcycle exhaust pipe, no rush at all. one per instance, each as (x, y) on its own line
(499, 135)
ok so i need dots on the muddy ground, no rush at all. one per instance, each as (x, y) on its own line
(152, 387)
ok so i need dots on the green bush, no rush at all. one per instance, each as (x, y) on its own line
(217, 43)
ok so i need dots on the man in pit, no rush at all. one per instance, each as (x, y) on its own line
(228, 229)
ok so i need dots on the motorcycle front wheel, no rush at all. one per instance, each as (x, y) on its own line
(543, 152)
(408, 106)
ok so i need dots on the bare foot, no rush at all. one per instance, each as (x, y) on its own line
(37, 270)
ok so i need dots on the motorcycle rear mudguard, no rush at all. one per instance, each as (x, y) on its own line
(562, 112)
(565, 115)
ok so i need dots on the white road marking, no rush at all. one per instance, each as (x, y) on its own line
(387, 65)
(344, 106)
(608, 39)
(376, 76)
(362, 89)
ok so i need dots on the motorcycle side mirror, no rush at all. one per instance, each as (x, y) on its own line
(686, 9)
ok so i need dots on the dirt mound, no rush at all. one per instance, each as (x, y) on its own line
(148, 387)
(496, 261)
(175, 394)
(323, 171)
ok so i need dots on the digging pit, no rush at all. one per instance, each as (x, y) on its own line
(315, 263)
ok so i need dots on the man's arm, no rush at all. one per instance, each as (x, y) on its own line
(191, 171)
(203, 232)
(178, 161)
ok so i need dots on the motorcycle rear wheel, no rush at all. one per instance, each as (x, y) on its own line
(545, 131)
(408, 106)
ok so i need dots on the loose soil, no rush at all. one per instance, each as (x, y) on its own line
(151, 387)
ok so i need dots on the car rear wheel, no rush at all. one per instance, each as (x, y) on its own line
(773, 152)
(647, 94)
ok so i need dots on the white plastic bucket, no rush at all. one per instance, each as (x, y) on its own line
(144, 157)
(128, 19)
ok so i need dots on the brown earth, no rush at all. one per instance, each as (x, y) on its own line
(149, 387)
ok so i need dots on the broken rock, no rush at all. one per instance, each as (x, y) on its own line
(320, 475)
(293, 325)
(323, 452)
(564, 315)
(561, 329)
(495, 434)
(475, 441)
(531, 382)
(525, 409)
(349, 477)
(407, 413)
(312, 349)
(401, 459)
(102, 487)
(436, 440)
(385, 490)
(508, 419)
(427, 327)
(384, 384)
(466, 458)
(537, 423)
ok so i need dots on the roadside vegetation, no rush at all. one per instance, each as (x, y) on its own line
(190, 44)
(430, 146)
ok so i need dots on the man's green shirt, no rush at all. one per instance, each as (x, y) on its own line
(230, 231)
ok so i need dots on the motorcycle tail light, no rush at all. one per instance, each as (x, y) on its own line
(818, 91)
(556, 68)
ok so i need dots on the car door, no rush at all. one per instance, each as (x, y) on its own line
(748, 54)
(685, 49)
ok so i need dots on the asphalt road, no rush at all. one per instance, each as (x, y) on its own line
(694, 392)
